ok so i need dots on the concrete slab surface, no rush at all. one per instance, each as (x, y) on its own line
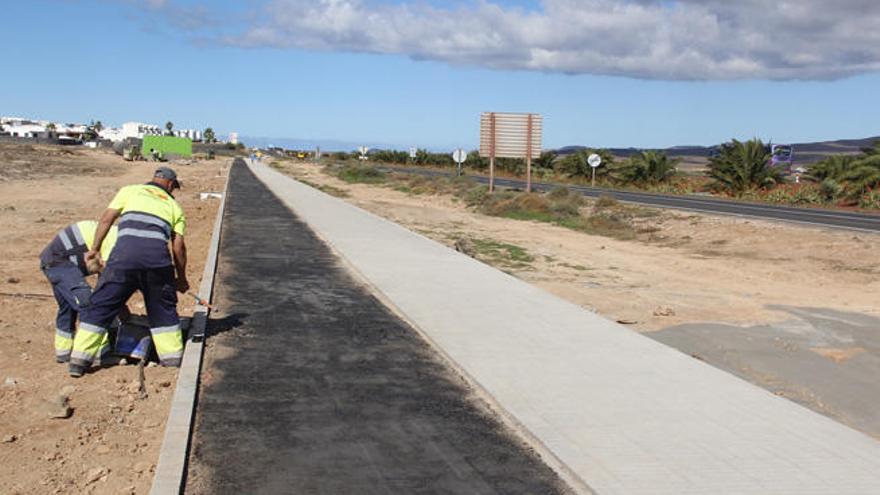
(824, 359)
(171, 467)
(627, 414)
(313, 386)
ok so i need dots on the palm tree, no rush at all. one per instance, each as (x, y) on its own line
(648, 167)
(208, 135)
(422, 156)
(477, 162)
(835, 167)
(864, 174)
(169, 126)
(743, 165)
(575, 164)
(857, 173)
(545, 160)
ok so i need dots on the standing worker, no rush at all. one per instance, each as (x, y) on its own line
(149, 218)
(64, 263)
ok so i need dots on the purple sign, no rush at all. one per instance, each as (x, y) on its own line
(781, 155)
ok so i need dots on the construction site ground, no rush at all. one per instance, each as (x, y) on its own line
(322, 389)
(791, 308)
(110, 442)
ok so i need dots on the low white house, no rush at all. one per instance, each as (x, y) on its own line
(191, 134)
(113, 134)
(25, 130)
(70, 131)
(139, 130)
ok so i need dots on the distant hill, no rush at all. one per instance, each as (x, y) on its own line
(803, 152)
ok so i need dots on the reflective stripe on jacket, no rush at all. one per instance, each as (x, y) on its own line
(72, 242)
(149, 218)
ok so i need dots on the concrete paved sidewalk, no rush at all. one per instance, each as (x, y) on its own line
(624, 413)
(312, 386)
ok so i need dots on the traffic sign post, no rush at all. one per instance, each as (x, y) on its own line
(594, 161)
(510, 135)
(412, 153)
(459, 156)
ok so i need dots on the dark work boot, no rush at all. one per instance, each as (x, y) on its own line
(76, 370)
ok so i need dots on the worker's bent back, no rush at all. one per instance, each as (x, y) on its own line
(150, 215)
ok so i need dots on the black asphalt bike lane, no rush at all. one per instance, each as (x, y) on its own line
(311, 385)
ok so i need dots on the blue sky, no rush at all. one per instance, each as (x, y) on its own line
(260, 69)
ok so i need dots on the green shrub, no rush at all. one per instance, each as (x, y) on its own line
(476, 195)
(363, 174)
(830, 190)
(559, 193)
(871, 200)
(606, 201)
(647, 167)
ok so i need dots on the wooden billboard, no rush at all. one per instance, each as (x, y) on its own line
(510, 135)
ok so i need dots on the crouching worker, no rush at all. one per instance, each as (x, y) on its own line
(149, 219)
(64, 263)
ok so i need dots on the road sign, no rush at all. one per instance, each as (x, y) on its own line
(594, 161)
(506, 135)
(459, 156)
(412, 152)
(510, 135)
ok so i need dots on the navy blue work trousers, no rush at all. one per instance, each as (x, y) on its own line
(116, 285)
(72, 294)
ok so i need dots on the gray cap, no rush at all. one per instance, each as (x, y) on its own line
(167, 173)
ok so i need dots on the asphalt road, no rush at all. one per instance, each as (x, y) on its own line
(824, 359)
(311, 385)
(816, 216)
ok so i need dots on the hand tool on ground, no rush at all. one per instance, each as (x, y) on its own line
(26, 295)
(142, 386)
(200, 300)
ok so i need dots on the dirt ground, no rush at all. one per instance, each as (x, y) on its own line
(715, 272)
(111, 441)
(694, 267)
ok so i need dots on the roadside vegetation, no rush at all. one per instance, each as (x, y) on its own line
(739, 169)
(604, 216)
(503, 255)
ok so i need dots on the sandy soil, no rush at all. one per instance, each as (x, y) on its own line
(692, 268)
(110, 443)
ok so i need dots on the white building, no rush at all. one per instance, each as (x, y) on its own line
(27, 130)
(139, 130)
(113, 134)
(233, 137)
(191, 134)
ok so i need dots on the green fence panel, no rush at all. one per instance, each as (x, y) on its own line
(166, 146)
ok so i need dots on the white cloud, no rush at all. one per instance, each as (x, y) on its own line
(154, 4)
(654, 39)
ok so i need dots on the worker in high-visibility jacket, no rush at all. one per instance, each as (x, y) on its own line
(64, 263)
(149, 219)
